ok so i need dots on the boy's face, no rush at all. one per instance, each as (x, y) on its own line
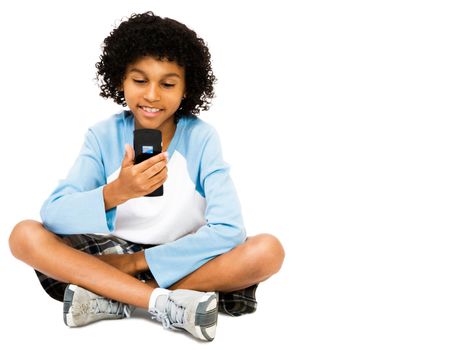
(153, 90)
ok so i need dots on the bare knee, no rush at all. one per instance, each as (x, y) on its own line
(23, 237)
(266, 253)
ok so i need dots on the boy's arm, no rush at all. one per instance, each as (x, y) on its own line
(77, 204)
(224, 229)
(112, 196)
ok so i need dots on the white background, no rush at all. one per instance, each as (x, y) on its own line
(347, 125)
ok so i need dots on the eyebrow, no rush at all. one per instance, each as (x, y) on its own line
(168, 75)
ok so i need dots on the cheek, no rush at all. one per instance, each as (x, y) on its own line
(129, 95)
(130, 90)
(175, 100)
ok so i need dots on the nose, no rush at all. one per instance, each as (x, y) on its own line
(152, 93)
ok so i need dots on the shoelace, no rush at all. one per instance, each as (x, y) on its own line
(104, 305)
(171, 316)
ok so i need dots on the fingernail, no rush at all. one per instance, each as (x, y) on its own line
(166, 155)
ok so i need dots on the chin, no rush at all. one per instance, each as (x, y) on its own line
(149, 125)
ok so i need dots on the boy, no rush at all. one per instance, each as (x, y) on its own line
(101, 237)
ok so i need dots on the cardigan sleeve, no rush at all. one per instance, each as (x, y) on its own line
(77, 204)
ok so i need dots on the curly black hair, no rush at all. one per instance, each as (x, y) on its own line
(146, 34)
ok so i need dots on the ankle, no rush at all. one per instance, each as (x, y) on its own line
(139, 263)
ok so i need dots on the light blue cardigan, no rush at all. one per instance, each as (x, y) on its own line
(197, 219)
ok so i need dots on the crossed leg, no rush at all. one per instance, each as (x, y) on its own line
(111, 276)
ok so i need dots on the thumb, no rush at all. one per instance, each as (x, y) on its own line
(128, 156)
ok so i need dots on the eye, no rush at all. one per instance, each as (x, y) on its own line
(168, 85)
(137, 81)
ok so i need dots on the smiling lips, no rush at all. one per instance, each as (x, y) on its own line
(150, 110)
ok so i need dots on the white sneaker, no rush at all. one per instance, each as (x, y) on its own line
(196, 312)
(82, 307)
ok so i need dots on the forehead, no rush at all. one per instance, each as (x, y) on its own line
(152, 67)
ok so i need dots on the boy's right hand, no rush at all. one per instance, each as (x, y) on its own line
(137, 180)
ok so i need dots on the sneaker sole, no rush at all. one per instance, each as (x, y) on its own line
(68, 297)
(206, 318)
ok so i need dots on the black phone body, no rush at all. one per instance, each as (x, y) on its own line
(148, 143)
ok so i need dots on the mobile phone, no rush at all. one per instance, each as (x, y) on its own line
(148, 143)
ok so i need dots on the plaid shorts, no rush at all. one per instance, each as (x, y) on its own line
(235, 303)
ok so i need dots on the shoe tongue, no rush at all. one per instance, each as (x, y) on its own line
(161, 302)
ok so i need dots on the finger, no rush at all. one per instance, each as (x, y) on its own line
(128, 159)
(155, 182)
(143, 166)
(158, 180)
(155, 169)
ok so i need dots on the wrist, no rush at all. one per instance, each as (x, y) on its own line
(112, 195)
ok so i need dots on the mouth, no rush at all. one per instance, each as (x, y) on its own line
(150, 111)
